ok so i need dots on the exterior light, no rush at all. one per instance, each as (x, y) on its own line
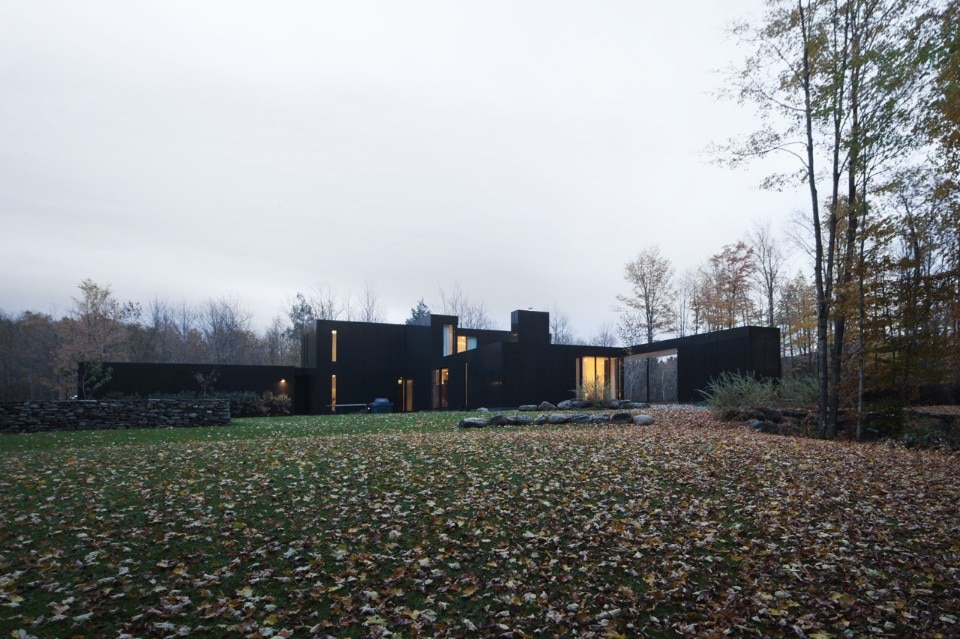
(283, 381)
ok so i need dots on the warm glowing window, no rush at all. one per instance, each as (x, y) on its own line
(597, 377)
(465, 343)
(333, 393)
(333, 346)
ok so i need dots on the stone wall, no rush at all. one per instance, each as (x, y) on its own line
(31, 417)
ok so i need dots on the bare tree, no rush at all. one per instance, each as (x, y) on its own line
(650, 275)
(768, 259)
(226, 329)
(368, 308)
(560, 326)
(606, 336)
(470, 314)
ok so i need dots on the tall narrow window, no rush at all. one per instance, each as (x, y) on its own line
(447, 339)
(333, 346)
(333, 393)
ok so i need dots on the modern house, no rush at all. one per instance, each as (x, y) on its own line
(435, 364)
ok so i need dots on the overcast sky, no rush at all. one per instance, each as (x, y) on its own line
(521, 150)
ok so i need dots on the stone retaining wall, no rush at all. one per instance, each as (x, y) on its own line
(31, 417)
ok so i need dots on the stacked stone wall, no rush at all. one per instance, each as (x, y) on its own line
(38, 416)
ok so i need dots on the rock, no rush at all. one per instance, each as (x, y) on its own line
(634, 406)
(498, 420)
(566, 404)
(612, 404)
(580, 418)
(557, 418)
(473, 422)
(520, 420)
(642, 420)
(772, 415)
(529, 407)
(621, 418)
(600, 418)
(541, 419)
(763, 426)
(546, 406)
(483, 410)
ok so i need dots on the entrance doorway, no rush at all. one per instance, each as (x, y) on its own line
(440, 378)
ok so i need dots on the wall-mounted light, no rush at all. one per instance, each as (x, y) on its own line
(283, 381)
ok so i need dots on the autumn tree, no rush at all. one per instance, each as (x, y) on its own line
(797, 319)
(726, 287)
(650, 304)
(837, 87)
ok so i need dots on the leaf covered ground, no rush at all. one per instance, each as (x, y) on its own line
(407, 527)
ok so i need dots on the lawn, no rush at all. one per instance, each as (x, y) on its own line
(402, 525)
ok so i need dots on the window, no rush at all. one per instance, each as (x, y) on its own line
(333, 346)
(597, 377)
(466, 343)
(447, 339)
(333, 393)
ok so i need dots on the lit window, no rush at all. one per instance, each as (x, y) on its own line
(333, 393)
(333, 346)
(597, 377)
(465, 343)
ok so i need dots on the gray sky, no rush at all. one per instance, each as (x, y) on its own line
(523, 150)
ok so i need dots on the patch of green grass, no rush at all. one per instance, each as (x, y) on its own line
(237, 430)
(356, 526)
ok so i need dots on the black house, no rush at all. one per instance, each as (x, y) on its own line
(435, 365)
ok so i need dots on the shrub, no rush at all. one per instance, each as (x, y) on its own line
(593, 391)
(730, 393)
(799, 390)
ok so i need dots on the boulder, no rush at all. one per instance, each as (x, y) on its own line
(634, 406)
(529, 407)
(546, 406)
(520, 420)
(566, 404)
(580, 418)
(642, 420)
(498, 420)
(763, 426)
(621, 418)
(557, 418)
(473, 422)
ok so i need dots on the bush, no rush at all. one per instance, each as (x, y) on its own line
(799, 390)
(594, 391)
(731, 393)
(250, 404)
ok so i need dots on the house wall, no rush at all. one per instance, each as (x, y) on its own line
(144, 380)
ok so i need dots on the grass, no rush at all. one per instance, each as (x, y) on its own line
(373, 525)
